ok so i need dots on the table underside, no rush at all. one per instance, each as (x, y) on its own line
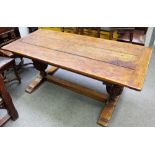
(111, 99)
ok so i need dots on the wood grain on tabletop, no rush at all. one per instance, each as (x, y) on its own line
(119, 63)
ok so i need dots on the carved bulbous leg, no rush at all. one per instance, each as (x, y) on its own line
(113, 91)
(41, 67)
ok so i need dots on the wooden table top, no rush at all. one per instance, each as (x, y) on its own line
(106, 60)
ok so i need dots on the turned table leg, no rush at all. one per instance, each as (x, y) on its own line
(41, 67)
(114, 92)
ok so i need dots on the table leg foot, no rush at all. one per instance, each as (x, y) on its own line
(114, 92)
(34, 84)
(107, 112)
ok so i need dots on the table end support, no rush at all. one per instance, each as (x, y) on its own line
(114, 92)
(41, 67)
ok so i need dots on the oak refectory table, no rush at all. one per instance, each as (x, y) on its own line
(116, 64)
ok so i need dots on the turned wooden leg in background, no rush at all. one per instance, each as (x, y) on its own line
(16, 73)
(114, 92)
(41, 67)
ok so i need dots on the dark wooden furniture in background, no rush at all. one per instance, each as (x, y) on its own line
(129, 34)
(6, 103)
(90, 31)
(7, 63)
(134, 35)
(125, 34)
(32, 29)
(70, 29)
(139, 37)
(116, 64)
(8, 35)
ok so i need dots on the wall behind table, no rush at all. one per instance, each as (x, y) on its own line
(24, 31)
